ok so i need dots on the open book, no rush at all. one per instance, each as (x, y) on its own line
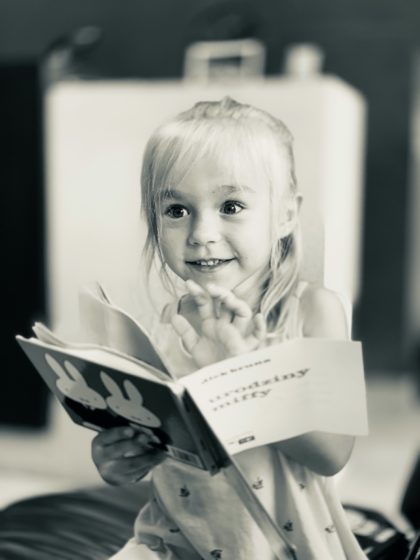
(120, 377)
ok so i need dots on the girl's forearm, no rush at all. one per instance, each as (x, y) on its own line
(321, 452)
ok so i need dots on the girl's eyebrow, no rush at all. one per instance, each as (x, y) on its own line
(232, 189)
(173, 194)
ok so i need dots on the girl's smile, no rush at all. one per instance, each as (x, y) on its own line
(215, 228)
(210, 265)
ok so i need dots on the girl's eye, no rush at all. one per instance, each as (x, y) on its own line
(176, 211)
(232, 207)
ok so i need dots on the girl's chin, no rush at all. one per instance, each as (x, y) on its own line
(243, 288)
(223, 284)
(214, 280)
(228, 278)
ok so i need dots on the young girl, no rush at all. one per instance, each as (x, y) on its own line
(219, 196)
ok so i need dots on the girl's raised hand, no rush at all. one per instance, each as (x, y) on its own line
(123, 455)
(228, 325)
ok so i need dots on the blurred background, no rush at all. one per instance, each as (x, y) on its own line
(81, 86)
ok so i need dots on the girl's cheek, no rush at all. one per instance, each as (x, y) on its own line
(174, 235)
(171, 221)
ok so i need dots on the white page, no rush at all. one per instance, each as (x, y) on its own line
(106, 357)
(283, 391)
(108, 325)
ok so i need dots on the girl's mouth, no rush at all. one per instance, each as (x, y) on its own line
(208, 265)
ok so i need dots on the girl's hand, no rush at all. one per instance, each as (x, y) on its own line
(123, 455)
(228, 325)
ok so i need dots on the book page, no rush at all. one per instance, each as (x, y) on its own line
(283, 391)
(106, 324)
(107, 357)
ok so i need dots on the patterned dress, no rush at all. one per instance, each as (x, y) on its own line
(193, 516)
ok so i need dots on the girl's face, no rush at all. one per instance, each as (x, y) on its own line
(216, 230)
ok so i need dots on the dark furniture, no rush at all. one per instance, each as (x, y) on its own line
(92, 524)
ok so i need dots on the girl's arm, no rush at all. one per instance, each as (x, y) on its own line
(323, 453)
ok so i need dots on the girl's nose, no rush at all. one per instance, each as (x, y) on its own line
(204, 230)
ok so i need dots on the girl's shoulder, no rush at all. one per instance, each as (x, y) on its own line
(324, 313)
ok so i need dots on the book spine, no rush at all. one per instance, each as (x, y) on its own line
(213, 453)
(199, 436)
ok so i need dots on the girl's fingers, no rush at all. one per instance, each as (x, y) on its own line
(217, 307)
(259, 333)
(113, 435)
(232, 302)
(227, 323)
(234, 341)
(202, 299)
(260, 327)
(130, 469)
(185, 331)
(238, 310)
(122, 449)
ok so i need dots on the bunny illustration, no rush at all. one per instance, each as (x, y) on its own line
(73, 385)
(132, 407)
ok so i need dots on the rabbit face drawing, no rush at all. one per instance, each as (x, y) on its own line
(130, 407)
(72, 384)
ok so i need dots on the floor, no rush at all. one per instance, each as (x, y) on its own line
(381, 463)
(16, 485)
(53, 460)
(375, 477)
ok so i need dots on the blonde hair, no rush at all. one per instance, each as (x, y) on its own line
(229, 131)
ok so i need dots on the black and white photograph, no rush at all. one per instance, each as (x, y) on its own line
(211, 280)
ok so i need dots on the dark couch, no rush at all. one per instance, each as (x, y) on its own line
(92, 524)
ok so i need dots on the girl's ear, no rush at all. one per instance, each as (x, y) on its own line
(291, 215)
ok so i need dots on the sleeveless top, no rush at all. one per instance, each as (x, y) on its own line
(191, 515)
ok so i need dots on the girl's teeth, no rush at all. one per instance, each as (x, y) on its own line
(211, 262)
